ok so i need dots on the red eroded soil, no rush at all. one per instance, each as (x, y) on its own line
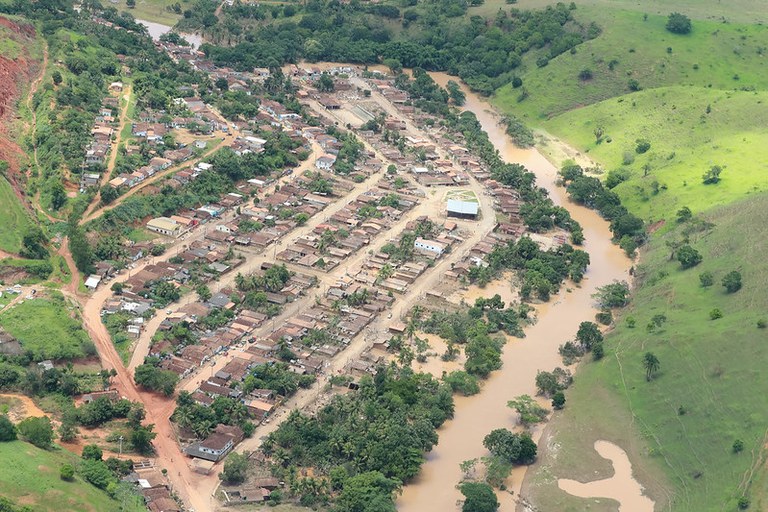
(13, 73)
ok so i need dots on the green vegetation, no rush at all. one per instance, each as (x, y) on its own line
(379, 434)
(703, 369)
(150, 376)
(48, 329)
(31, 476)
(14, 220)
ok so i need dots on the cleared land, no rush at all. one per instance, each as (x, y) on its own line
(30, 476)
(155, 10)
(47, 328)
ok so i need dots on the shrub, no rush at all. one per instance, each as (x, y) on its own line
(715, 314)
(706, 279)
(743, 503)
(738, 446)
(7, 429)
(732, 281)
(712, 176)
(462, 382)
(517, 82)
(762, 324)
(37, 431)
(688, 256)
(679, 23)
(558, 400)
(642, 146)
(633, 85)
(604, 317)
(585, 74)
(67, 472)
(598, 352)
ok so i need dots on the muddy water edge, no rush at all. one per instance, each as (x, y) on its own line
(462, 438)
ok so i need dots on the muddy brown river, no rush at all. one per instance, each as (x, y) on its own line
(462, 438)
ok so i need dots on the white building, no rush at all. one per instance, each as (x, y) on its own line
(164, 226)
(429, 246)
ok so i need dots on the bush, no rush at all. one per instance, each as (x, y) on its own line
(585, 74)
(235, 468)
(604, 317)
(633, 85)
(478, 497)
(688, 256)
(642, 146)
(462, 382)
(762, 324)
(715, 314)
(732, 281)
(598, 352)
(558, 400)
(7, 429)
(614, 295)
(679, 23)
(706, 279)
(67, 472)
(92, 452)
(37, 431)
(738, 446)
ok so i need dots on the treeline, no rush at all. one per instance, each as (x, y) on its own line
(542, 271)
(628, 229)
(364, 445)
(435, 36)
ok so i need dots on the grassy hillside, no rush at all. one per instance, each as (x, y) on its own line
(48, 328)
(717, 55)
(711, 387)
(740, 11)
(685, 142)
(30, 476)
(14, 219)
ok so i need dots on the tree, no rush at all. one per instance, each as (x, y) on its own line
(732, 281)
(614, 295)
(141, 438)
(37, 431)
(706, 279)
(712, 176)
(679, 23)
(235, 468)
(588, 335)
(651, 364)
(67, 472)
(558, 400)
(7, 429)
(130, 3)
(684, 214)
(325, 83)
(56, 76)
(370, 491)
(92, 452)
(530, 412)
(478, 497)
(688, 256)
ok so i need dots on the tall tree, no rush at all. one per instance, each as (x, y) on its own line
(651, 364)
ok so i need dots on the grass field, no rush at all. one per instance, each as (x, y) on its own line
(741, 11)
(47, 328)
(721, 52)
(30, 476)
(685, 142)
(155, 10)
(14, 220)
(712, 369)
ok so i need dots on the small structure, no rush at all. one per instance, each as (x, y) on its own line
(463, 209)
(164, 226)
(429, 246)
(92, 282)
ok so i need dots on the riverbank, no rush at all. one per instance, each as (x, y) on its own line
(558, 320)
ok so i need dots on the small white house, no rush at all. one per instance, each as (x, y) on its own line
(325, 162)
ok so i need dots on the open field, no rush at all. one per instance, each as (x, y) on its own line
(727, 56)
(685, 142)
(709, 390)
(740, 11)
(155, 10)
(13, 219)
(30, 476)
(47, 328)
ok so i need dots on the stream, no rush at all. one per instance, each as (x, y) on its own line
(558, 320)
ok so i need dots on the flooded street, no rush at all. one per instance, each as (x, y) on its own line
(461, 438)
(621, 487)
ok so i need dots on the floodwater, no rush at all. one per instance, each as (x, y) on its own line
(621, 487)
(461, 438)
(158, 29)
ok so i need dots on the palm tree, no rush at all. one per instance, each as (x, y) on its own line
(651, 364)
